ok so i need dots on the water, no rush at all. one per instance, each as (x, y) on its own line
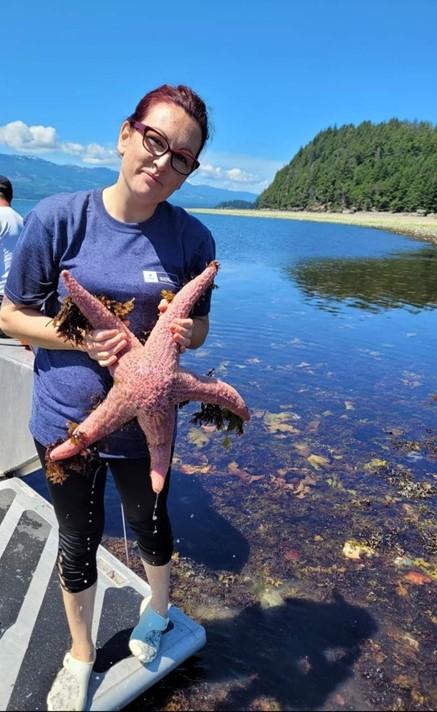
(23, 206)
(329, 333)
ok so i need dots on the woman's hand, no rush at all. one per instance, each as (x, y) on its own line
(182, 329)
(103, 345)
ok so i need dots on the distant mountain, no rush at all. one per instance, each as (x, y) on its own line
(204, 196)
(386, 166)
(34, 178)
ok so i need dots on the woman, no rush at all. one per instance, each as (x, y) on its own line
(123, 241)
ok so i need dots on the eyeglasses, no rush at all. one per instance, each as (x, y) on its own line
(157, 145)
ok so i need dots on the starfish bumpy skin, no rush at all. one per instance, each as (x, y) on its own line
(148, 382)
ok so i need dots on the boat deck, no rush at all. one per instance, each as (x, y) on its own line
(33, 629)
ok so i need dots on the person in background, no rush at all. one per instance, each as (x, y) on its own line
(122, 241)
(11, 224)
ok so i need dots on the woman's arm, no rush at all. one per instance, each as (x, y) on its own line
(200, 331)
(29, 325)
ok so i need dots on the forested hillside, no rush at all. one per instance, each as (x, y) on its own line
(388, 166)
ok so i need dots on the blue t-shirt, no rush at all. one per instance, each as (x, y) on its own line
(119, 260)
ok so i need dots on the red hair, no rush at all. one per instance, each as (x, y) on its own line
(180, 95)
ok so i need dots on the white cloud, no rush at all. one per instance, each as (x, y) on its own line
(22, 137)
(209, 170)
(236, 172)
(91, 154)
(220, 170)
(239, 176)
(41, 139)
(74, 148)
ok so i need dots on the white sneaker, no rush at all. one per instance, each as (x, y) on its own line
(70, 686)
(146, 636)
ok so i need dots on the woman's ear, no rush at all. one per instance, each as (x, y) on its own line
(123, 137)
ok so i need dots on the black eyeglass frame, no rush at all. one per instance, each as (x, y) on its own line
(142, 128)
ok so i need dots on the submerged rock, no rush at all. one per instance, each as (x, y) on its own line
(353, 549)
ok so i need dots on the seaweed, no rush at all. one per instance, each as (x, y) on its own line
(210, 414)
(406, 485)
(72, 325)
(167, 295)
(58, 472)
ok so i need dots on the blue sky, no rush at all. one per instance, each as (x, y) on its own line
(274, 73)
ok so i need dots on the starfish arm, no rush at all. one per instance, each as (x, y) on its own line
(158, 430)
(97, 314)
(210, 390)
(148, 382)
(161, 339)
(191, 292)
(115, 411)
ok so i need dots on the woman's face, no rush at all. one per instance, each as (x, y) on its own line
(152, 179)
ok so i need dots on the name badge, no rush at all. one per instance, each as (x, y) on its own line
(151, 277)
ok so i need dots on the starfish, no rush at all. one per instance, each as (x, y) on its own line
(148, 382)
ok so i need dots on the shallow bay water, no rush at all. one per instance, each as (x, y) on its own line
(307, 545)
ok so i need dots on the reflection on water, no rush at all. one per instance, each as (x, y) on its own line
(307, 547)
(399, 280)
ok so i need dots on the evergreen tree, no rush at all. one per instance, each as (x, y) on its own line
(387, 166)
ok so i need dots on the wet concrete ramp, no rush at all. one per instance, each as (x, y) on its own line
(33, 629)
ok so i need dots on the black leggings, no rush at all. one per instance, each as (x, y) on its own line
(78, 505)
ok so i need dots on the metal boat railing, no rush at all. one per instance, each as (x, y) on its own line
(17, 450)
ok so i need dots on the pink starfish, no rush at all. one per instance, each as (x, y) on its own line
(148, 383)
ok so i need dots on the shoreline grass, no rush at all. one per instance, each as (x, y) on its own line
(410, 224)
